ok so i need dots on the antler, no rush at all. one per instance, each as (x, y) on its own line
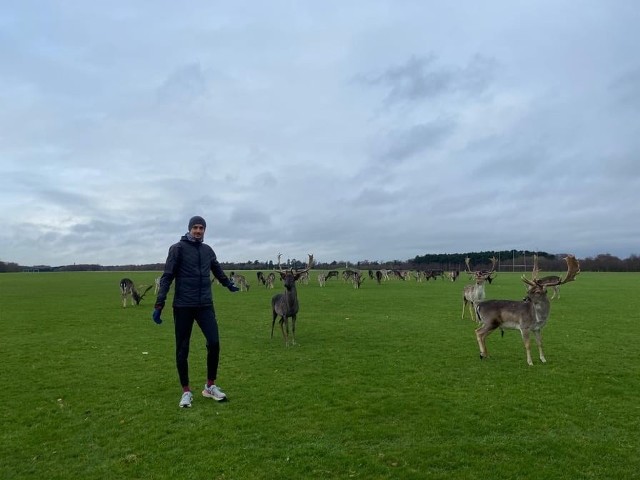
(297, 271)
(488, 274)
(533, 282)
(481, 273)
(308, 264)
(573, 269)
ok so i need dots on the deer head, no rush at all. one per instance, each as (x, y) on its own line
(294, 274)
(482, 275)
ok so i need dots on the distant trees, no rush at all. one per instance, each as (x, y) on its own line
(9, 267)
(508, 260)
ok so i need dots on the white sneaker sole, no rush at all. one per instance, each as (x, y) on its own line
(217, 399)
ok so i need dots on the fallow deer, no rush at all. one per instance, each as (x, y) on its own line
(528, 315)
(475, 293)
(240, 281)
(285, 305)
(128, 289)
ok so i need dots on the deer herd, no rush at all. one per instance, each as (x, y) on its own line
(528, 315)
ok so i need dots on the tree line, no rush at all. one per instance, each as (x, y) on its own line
(509, 260)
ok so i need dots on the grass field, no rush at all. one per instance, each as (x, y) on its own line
(386, 383)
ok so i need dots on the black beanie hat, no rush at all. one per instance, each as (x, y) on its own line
(197, 220)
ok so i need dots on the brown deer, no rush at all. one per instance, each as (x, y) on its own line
(473, 294)
(128, 289)
(285, 304)
(528, 315)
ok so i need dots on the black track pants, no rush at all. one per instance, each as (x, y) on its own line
(183, 318)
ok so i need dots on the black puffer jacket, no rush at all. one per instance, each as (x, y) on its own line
(189, 263)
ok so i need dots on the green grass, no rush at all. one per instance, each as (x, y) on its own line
(386, 382)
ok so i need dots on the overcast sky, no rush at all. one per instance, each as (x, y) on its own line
(356, 130)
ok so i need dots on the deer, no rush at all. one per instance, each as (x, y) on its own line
(528, 315)
(332, 273)
(322, 279)
(452, 275)
(285, 305)
(128, 289)
(269, 279)
(240, 281)
(475, 293)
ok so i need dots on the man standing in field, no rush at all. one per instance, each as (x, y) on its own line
(189, 262)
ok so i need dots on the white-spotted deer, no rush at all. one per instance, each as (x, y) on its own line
(240, 281)
(528, 315)
(472, 294)
(285, 304)
(128, 289)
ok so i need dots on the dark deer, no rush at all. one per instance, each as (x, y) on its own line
(528, 315)
(473, 294)
(285, 305)
(128, 289)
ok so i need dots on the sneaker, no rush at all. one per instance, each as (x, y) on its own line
(185, 401)
(214, 392)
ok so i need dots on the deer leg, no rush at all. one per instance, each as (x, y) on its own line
(285, 331)
(464, 306)
(273, 322)
(527, 345)
(481, 334)
(293, 329)
(538, 334)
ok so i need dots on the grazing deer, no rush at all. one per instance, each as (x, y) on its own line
(473, 294)
(260, 277)
(322, 279)
(528, 315)
(285, 305)
(332, 273)
(128, 289)
(157, 285)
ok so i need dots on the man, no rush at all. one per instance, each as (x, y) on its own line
(189, 262)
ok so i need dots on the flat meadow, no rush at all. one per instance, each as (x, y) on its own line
(385, 383)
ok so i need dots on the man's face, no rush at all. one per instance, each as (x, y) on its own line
(197, 231)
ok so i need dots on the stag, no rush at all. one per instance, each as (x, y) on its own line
(285, 304)
(128, 289)
(473, 294)
(528, 315)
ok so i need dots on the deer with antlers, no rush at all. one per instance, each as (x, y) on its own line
(528, 315)
(128, 290)
(285, 304)
(472, 294)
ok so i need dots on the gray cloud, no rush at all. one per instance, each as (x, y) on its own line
(113, 135)
(420, 78)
